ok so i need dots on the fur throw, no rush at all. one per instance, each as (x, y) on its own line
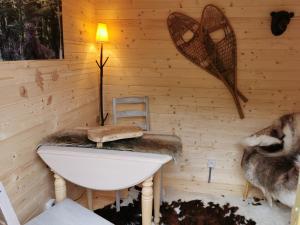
(151, 143)
(271, 159)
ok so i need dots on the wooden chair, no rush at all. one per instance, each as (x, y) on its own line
(66, 212)
(117, 115)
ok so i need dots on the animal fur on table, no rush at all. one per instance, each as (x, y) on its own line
(151, 143)
(271, 159)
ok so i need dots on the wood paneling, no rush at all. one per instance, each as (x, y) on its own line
(39, 97)
(184, 99)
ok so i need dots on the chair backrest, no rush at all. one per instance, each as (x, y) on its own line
(132, 113)
(7, 209)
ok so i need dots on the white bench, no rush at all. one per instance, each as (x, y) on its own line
(66, 212)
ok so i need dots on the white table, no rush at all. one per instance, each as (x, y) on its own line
(100, 169)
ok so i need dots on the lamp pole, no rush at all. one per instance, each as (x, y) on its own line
(101, 65)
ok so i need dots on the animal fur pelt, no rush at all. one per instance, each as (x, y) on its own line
(69, 138)
(178, 212)
(271, 159)
(279, 139)
(153, 143)
(276, 177)
(156, 143)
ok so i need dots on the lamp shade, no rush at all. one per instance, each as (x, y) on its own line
(102, 34)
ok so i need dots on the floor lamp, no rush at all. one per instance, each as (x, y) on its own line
(101, 37)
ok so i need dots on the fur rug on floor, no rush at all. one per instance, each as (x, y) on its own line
(193, 212)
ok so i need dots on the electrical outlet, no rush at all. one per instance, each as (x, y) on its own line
(211, 163)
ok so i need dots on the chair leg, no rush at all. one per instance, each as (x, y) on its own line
(161, 186)
(246, 190)
(118, 201)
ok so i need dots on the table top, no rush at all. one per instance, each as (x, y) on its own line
(101, 169)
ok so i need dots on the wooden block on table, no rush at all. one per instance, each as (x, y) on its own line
(112, 133)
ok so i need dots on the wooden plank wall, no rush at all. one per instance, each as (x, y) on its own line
(39, 97)
(185, 100)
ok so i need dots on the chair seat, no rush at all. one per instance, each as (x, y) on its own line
(68, 212)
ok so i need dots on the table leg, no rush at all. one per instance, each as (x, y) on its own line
(89, 194)
(147, 201)
(157, 192)
(60, 188)
(118, 201)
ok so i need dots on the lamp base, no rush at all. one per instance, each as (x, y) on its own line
(101, 65)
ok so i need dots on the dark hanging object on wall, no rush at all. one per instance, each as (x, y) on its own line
(210, 44)
(280, 20)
